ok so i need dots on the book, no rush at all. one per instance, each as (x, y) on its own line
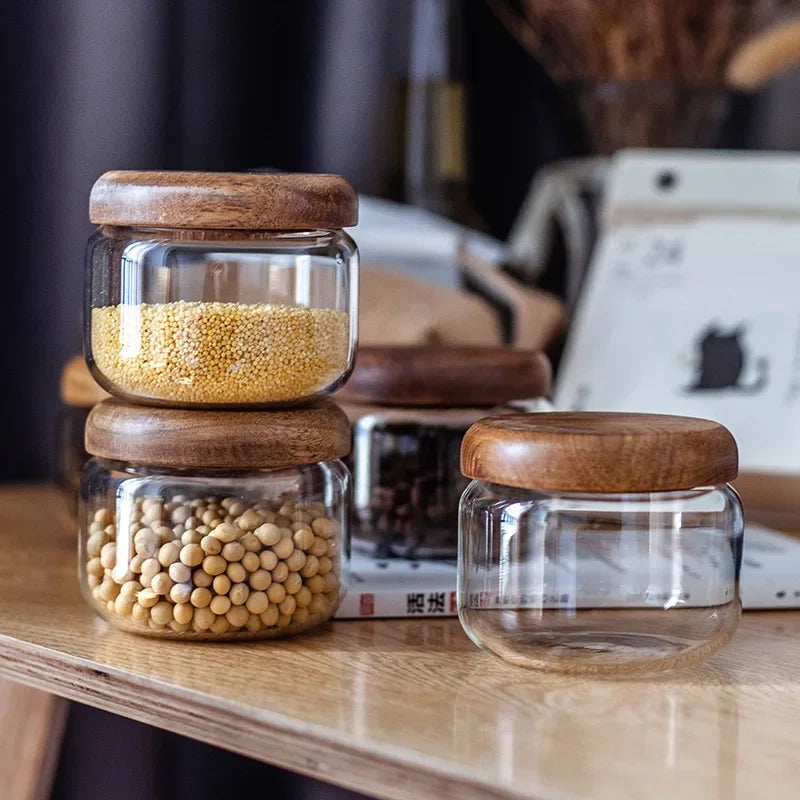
(392, 588)
(398, 587)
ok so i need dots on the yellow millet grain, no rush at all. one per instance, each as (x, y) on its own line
(220, 353)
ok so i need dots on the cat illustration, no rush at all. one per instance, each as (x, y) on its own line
(722, 361)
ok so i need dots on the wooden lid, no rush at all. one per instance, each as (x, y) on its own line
(599, 452)
(223, 200)
(167, 437)
(446, 376)
(78, 387)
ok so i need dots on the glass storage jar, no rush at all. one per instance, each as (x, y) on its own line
(598, 542)
(410, 407)
(79, 393)
(220, 289)
(215, 525)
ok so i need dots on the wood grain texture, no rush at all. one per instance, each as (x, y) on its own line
(599, 452)
(32, 722)
(77, 386)
(446, 376)
(223, 200)
(170, 437)
(410, 708)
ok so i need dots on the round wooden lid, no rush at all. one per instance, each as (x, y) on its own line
(228, 440)
(446, 376)
(599, 452)
(77, 387)
(223, 200)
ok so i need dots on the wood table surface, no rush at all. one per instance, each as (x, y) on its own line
(410, 708)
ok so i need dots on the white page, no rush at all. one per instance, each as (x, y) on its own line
(655, 291)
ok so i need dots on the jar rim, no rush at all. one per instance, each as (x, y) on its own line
(643, 496)
(217, 234)
(153, 470)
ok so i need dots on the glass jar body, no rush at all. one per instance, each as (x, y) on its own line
(214, 555)
(593, 584)
(406, 479)
(220, 319)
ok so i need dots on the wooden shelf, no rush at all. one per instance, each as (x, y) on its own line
(409, 708)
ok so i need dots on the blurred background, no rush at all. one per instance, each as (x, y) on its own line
(452, 106)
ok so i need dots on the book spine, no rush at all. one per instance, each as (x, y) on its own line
(428, 603)
(770, 592)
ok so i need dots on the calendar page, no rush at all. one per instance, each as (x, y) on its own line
(694, 309)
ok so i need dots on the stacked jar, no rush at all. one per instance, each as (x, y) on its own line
(410, 408)
(79, 394)
(221, 309)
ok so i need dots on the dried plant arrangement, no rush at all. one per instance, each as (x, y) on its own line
(643, 73)
(687, 41)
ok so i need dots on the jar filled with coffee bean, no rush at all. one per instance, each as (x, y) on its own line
(410, 408)
(215, 525)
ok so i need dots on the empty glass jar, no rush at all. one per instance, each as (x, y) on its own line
(215, 525)
(410, 408)
(221, 290)
(599, 543)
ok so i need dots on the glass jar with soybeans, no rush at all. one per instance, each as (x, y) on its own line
(221, 290)
(410, 408)
(599, 543)
(215, 525)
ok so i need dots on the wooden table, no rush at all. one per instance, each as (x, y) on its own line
(410, 709)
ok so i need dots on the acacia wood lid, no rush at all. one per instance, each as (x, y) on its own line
(167, 437)
(446, 376)
(77, 386)
(223, 200)
(599, 452)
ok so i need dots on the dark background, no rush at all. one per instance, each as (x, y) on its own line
(92, 85)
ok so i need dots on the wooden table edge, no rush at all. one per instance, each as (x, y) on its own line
(278, 740)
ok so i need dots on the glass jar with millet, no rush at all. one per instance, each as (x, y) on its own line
(221, 290)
